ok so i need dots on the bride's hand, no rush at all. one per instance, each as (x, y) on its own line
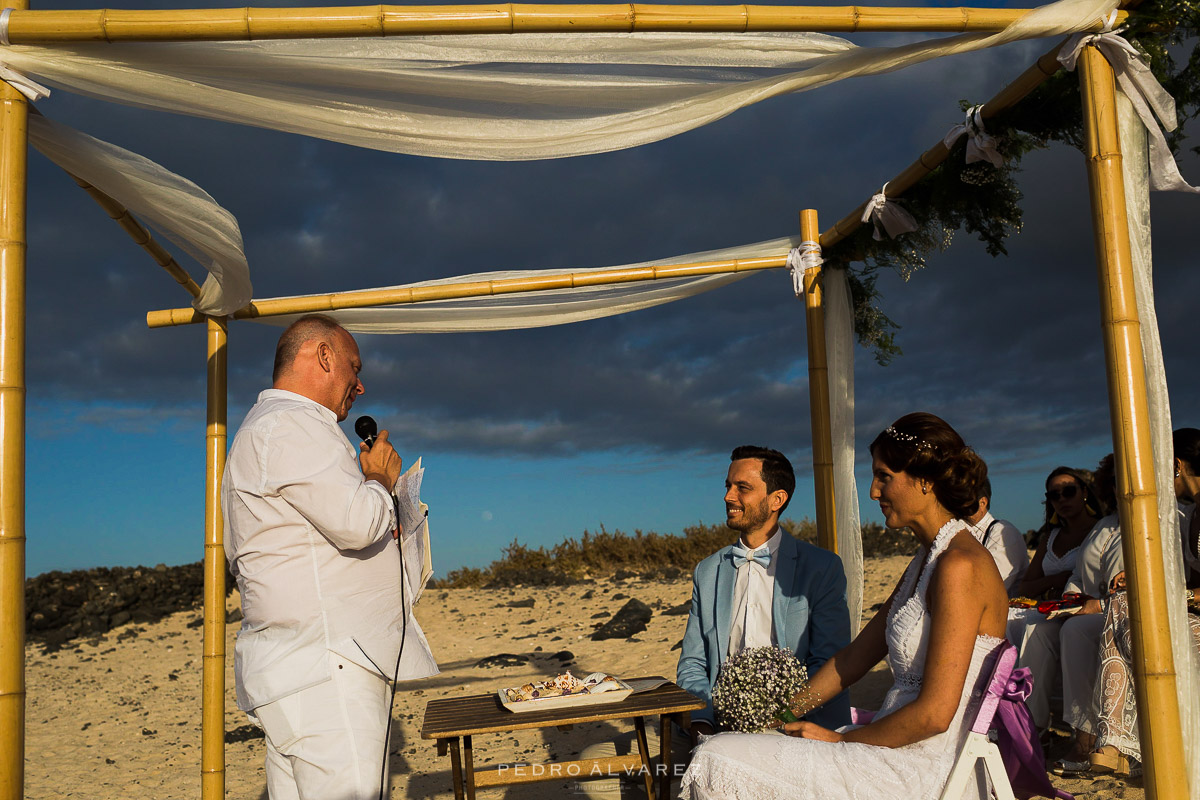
(811, 730)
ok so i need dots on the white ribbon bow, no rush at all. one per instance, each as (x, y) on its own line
(891, 217)
(806, 256)
(982, 145)
(33, 90)
(1148, 97)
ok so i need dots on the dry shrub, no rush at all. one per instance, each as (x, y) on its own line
(646, 555)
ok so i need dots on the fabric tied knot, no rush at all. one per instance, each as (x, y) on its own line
(32, 90)
(804, 257)
(888, 216)
(1019, 685)
(741, 555)
(1148, 98)
(981, 146)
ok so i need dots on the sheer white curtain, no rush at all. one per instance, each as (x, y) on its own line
(506, 97)
(839, 355)
(1135, 166)
(172, 205)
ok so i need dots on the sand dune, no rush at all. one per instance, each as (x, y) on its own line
(119, 716)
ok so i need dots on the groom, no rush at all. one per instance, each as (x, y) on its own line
(767, 588)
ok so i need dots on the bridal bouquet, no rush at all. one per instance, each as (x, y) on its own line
(755, 689)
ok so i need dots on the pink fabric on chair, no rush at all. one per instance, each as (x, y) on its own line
(861, 716)
(1003, 708)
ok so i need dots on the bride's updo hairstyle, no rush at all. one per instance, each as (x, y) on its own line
(927, 448)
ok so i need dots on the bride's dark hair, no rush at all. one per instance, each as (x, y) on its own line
(927, 448)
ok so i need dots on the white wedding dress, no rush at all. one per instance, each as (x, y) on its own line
(769, 766)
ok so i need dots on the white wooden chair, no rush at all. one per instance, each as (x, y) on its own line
(978, 751)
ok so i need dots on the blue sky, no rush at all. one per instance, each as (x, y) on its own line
(624, 422)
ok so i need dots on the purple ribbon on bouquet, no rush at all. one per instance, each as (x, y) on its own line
(1017, 737)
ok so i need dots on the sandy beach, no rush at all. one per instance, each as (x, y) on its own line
(119, 716)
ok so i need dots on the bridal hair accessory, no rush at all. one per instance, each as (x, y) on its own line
(888, 216)
(804, 257)
(1148, 98)
(908, 438)
(981, 145)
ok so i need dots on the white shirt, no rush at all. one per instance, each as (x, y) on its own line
(1100, 559)
(1007, 546)
(753, 600)
(310, 542)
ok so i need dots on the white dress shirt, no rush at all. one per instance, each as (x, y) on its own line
(752, 623)
(310, 542)
(1100, 559)
(1007, 546)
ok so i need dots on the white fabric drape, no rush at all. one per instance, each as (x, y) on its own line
(174, 206)
(503, 97)
(1146, 96)
(1135, 168)
(553, 307)
(839, 358)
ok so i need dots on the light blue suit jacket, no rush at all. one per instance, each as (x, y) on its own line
(809, 618)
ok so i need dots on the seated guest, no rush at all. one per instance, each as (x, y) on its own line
(1001, 538)
(1118, 747)
(1070, 644)
(1072, 511)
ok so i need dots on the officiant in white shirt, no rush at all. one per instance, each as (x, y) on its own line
(310, 534)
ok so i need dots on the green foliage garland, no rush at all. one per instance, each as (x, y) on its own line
(984, 200)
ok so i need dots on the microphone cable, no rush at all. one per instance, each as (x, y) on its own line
(383, 769)
(400, 655)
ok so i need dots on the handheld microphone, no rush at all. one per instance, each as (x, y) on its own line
(366, 429)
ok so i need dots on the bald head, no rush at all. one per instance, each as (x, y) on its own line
(318, 358)
(306, 329)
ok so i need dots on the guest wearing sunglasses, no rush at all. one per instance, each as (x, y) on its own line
(1074, 641)
(1072, 510)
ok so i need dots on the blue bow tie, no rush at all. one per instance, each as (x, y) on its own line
(741, 555)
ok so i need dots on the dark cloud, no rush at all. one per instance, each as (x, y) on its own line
(1008, 349)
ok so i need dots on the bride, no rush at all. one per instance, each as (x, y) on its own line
(937, 628)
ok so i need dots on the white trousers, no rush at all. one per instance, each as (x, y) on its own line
(329, 742)
(1069, 646)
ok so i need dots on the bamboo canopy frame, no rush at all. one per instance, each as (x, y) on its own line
(14, 116)
(113, 25)
(1129, 410)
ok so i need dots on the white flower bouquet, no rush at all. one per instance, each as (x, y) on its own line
(757, 687)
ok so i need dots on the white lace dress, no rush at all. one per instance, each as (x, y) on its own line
(769, 766)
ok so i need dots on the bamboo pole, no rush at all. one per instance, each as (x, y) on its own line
(14, 117)
(114, 25)
(212, 734)
(282, 306)
(1006, 98)
(1153, 665)
(818, 392)
(137, 231)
